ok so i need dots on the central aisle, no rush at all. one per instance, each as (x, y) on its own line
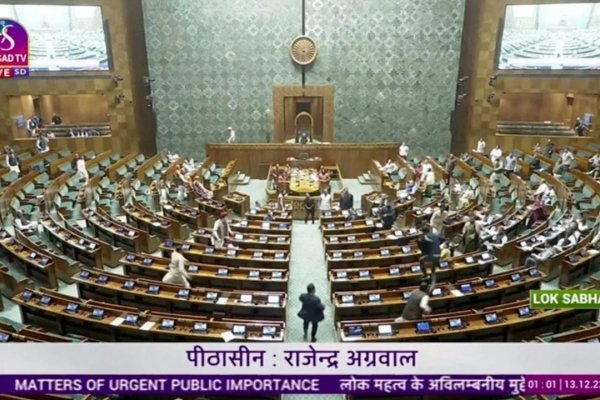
(307, 265)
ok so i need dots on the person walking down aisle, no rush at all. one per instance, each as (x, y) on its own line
(311, 312)
(177, 274)
(309, 208)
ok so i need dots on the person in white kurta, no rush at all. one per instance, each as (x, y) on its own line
(177, 274)
(82, 172)
(12, 162)
(325, 204)
(481, 146)
(403, 151)
(496, 154)
(221, 230)
(231, 138)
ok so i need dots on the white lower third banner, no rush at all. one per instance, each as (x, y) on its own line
(234, 368)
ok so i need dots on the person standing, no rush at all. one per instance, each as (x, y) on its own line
(56, 120)
(12, 162)
(221, 230)
(480, 146)
(42, 144)
(417, 304)
(231, 138)
(309, 208)
(311, 312)
(429, 244)
(177, 274)
(496, 154)
(346, 200)
(450, 166)
(403, 151)
(325, 204)
(82, 172)
(549, 150)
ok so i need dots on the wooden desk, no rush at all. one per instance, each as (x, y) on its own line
(362, 258)
(196, 252)
(578, 266)
(510, 328)
(112, 327)
(41, 267)
(581, 335)
(163, 227)
(140, 172)
(185, 214)
(9, 285)
(349, 227)
(282, 217)
(371, 200)
(247, 240)
(209, 275)
(262, 227)
(211, 207)
(336, 215)
(120, 234)
(159, 296)
(463, 295)
(313, 162)
(255, 158)
(373, 240)
(459, 267)
(73, 244)
(111, 172)
(239, 203)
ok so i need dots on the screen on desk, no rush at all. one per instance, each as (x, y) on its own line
(276, 275)
(347, 299)
(147, 261)
(273, 299)
(131, 319)
(27, 295)
(437, 292)
(102, 279)
(183, 293)
(5, 337)
(374, 297)
(490, 283)
(491, 318)
(415, 269)
(363, 274)
(466, 288)
(154, 289)
(394, 271)
(45, 300)
(444, 265)
(257, 254)
(253, 274)
(515, 277)
(200, 327)
(423, 327)
(239, 329)
(385, 330)
(193, 269)
(84, 274)
(358, 254)
(355, 330)
(222, 272)
(130, 257)
(185, 247)
(167, 324)
(246, 298)
(455, 323)
(72, 308)
(524, 312)
(212, 296)
(269, 330)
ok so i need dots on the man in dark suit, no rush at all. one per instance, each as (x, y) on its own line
(311, 312)
(346, 200)
(309, 208)
(429, 244)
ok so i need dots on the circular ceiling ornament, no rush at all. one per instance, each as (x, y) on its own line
(303, 50)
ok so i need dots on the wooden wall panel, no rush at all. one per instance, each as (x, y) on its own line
(477, 117)
(126, 136)
(255, 159)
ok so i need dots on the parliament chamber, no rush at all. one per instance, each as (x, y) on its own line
(157, 188)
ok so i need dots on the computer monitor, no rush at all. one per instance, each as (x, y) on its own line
(355, 330)
(209, 250)
(258, 254)
(154, 289)
(276, 275)
(337, 254)
(98, 313)
(131, 319)
(243, 223)
(5, 337)
(352, 238)
(455, 323)
(384, 252)
(200, 327)
(130, 257)
(185, 247)
(490, 283)
(45, 300)
(347, 299)
(238, 236)
(103, 279)
(341, 274)
(406, 249)
(486, 256)
(183, 293)
(524, 312)
(212, 296)
(167, 324)
(385, 330)
(147, 261)
(231, 252)
(246, 298)
(375, 236)
(491, 318)
(72, 308)
(415, 269)
(27, 295)
(253, 274)
(374, 298)
(347, 224)
(358, 254)
(131, 233)
(239, 329)
(279, 255)
(469, 260)
(128, 285)
(423, 327)
(193, 269)
(406, 295)
(515, 277)
(281, 239)
(534, 272)
(84, 274)
(269, 330)
(222, 271)
(394, 271)
(44, 260)
(364, 274)
(273, 299)
(466, 288)
(263, 239)
(437, 292)
(168, 243)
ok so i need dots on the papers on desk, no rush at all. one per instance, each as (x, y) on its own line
(457, 293)
(117, 321)
(227, 336)
(223, 300)
(167, 207)
(147, 326)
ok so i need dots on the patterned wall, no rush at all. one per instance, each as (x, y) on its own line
(125, 135)
(393, 63)
(215, 63)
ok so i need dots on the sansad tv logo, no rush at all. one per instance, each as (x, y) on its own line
(14, 49)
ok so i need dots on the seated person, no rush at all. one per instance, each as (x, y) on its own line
(22, 224)
(541, 255)
(200, 190)
(391, 168)
(466, 198)
(498, 240)
(324, 178)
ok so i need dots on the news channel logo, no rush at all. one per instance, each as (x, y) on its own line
(14, 49)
